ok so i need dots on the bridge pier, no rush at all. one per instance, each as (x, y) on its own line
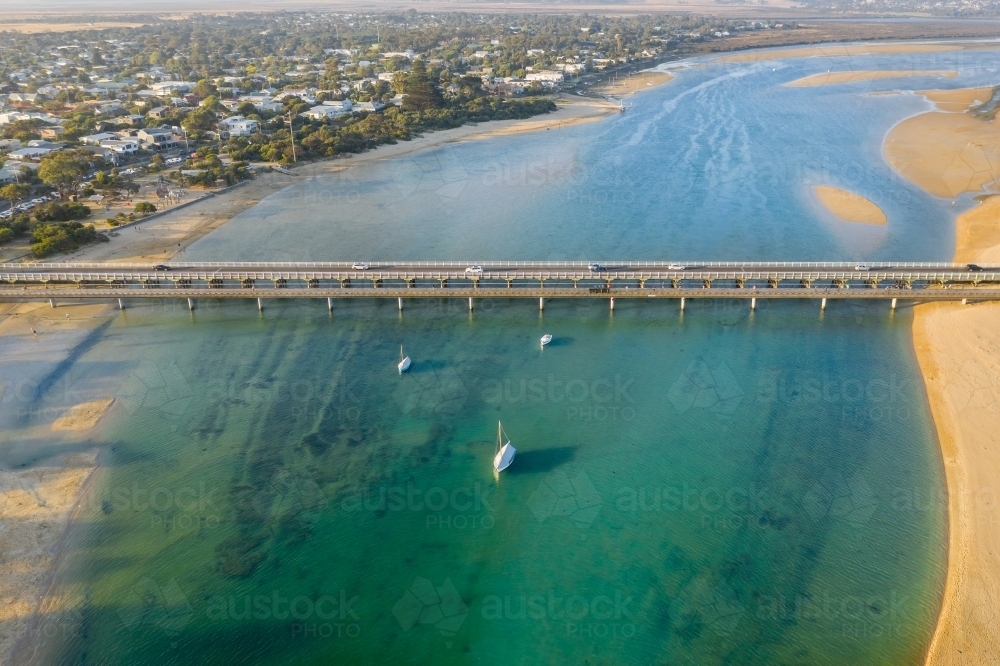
(52, 302)
(963, 301)
(260, 305)
(190, 305)
(753, 303)
(541, 304)
(121, 306)
(682, 304)
(470, 303)
(893, 306)
(612, 303)
(329, 304)
(400, 303)
(822, 304)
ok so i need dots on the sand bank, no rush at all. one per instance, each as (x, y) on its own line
(957, 100)
(848, 206)
(838, 51)
(35, 507)
(634, 84)
(833, 78)
(83, 416)
(945, 152)
(957, 348)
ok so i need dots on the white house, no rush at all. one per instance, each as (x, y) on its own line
(239, 126)
(168, 87)
(156, 139)
(546, 75)
(370, 107)
(325, 112)
(125, 147)
(96, 139)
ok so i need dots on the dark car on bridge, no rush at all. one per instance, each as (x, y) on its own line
(974, 267)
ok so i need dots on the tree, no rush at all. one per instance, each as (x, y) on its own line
(200, 120)
(66, 169)
(13, 192)
(145, 207)
(420, 90)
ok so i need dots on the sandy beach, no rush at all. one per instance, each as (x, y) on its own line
(848, 206)
(838, 51)
(948, 152)
(833, 78)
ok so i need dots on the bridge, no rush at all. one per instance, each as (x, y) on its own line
(610, 280)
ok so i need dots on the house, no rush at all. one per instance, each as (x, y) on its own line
(7, 145)
(8, 175)
(239, 126)
(369, 107)
(51, 132)
(363, 83)
(156, 139)
(158, 113)
(96, 139)
(168, 87)
(387, 76)
(325, 112)
(106, 154)
(342, 105)
(545, 76)
(23, 98)
(34, 152)
(125, 147)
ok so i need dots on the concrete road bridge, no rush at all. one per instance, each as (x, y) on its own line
(914, 281)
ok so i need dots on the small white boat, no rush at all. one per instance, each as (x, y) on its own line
(505, 452)
(546, 339)
(404, 361)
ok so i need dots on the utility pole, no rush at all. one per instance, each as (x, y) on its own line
(291, 134)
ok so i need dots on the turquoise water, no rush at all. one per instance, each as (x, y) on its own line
(714, 487)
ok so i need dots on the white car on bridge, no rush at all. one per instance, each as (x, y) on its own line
(474, 270)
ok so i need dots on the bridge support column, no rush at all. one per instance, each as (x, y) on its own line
(682, 304)
(121, 306)
(190, 304)
(52, 302)
(541, 304)
(893, 304)
(260, 305)
(329, 304)
(612, 303)
(963, 301)
(822, 304)
(470, 303)
(753, 302)
(400, 299)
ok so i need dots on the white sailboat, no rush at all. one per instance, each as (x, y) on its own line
(505, 452)
(546, 339)
(404, 361)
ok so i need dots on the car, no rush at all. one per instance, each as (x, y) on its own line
(975, 267)
(161, 267)
(38, 201)
(862, 267)
(360, 266)
(474, 270)
(676, 267)
(596, 268)
(6, 214)
(26, 207)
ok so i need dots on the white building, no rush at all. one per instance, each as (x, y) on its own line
(325, 112)
(123, 147)
(239, 126)
(546, 75)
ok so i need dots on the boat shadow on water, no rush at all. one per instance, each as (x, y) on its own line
(560, 342)
(545, 460)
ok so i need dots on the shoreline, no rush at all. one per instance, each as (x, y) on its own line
(945, 152)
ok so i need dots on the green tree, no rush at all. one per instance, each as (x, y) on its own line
(145, 207)
(66, 169)
(200, 120)
(420, 89)
(13, 192)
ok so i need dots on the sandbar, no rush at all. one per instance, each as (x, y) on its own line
(945, 153)
(83, 416)
(833, 78)
(848, 206)
(35, 507)
(838, 51)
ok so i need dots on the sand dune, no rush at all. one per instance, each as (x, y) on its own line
(833, 78)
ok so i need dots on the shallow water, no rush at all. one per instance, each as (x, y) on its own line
(713, 487)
